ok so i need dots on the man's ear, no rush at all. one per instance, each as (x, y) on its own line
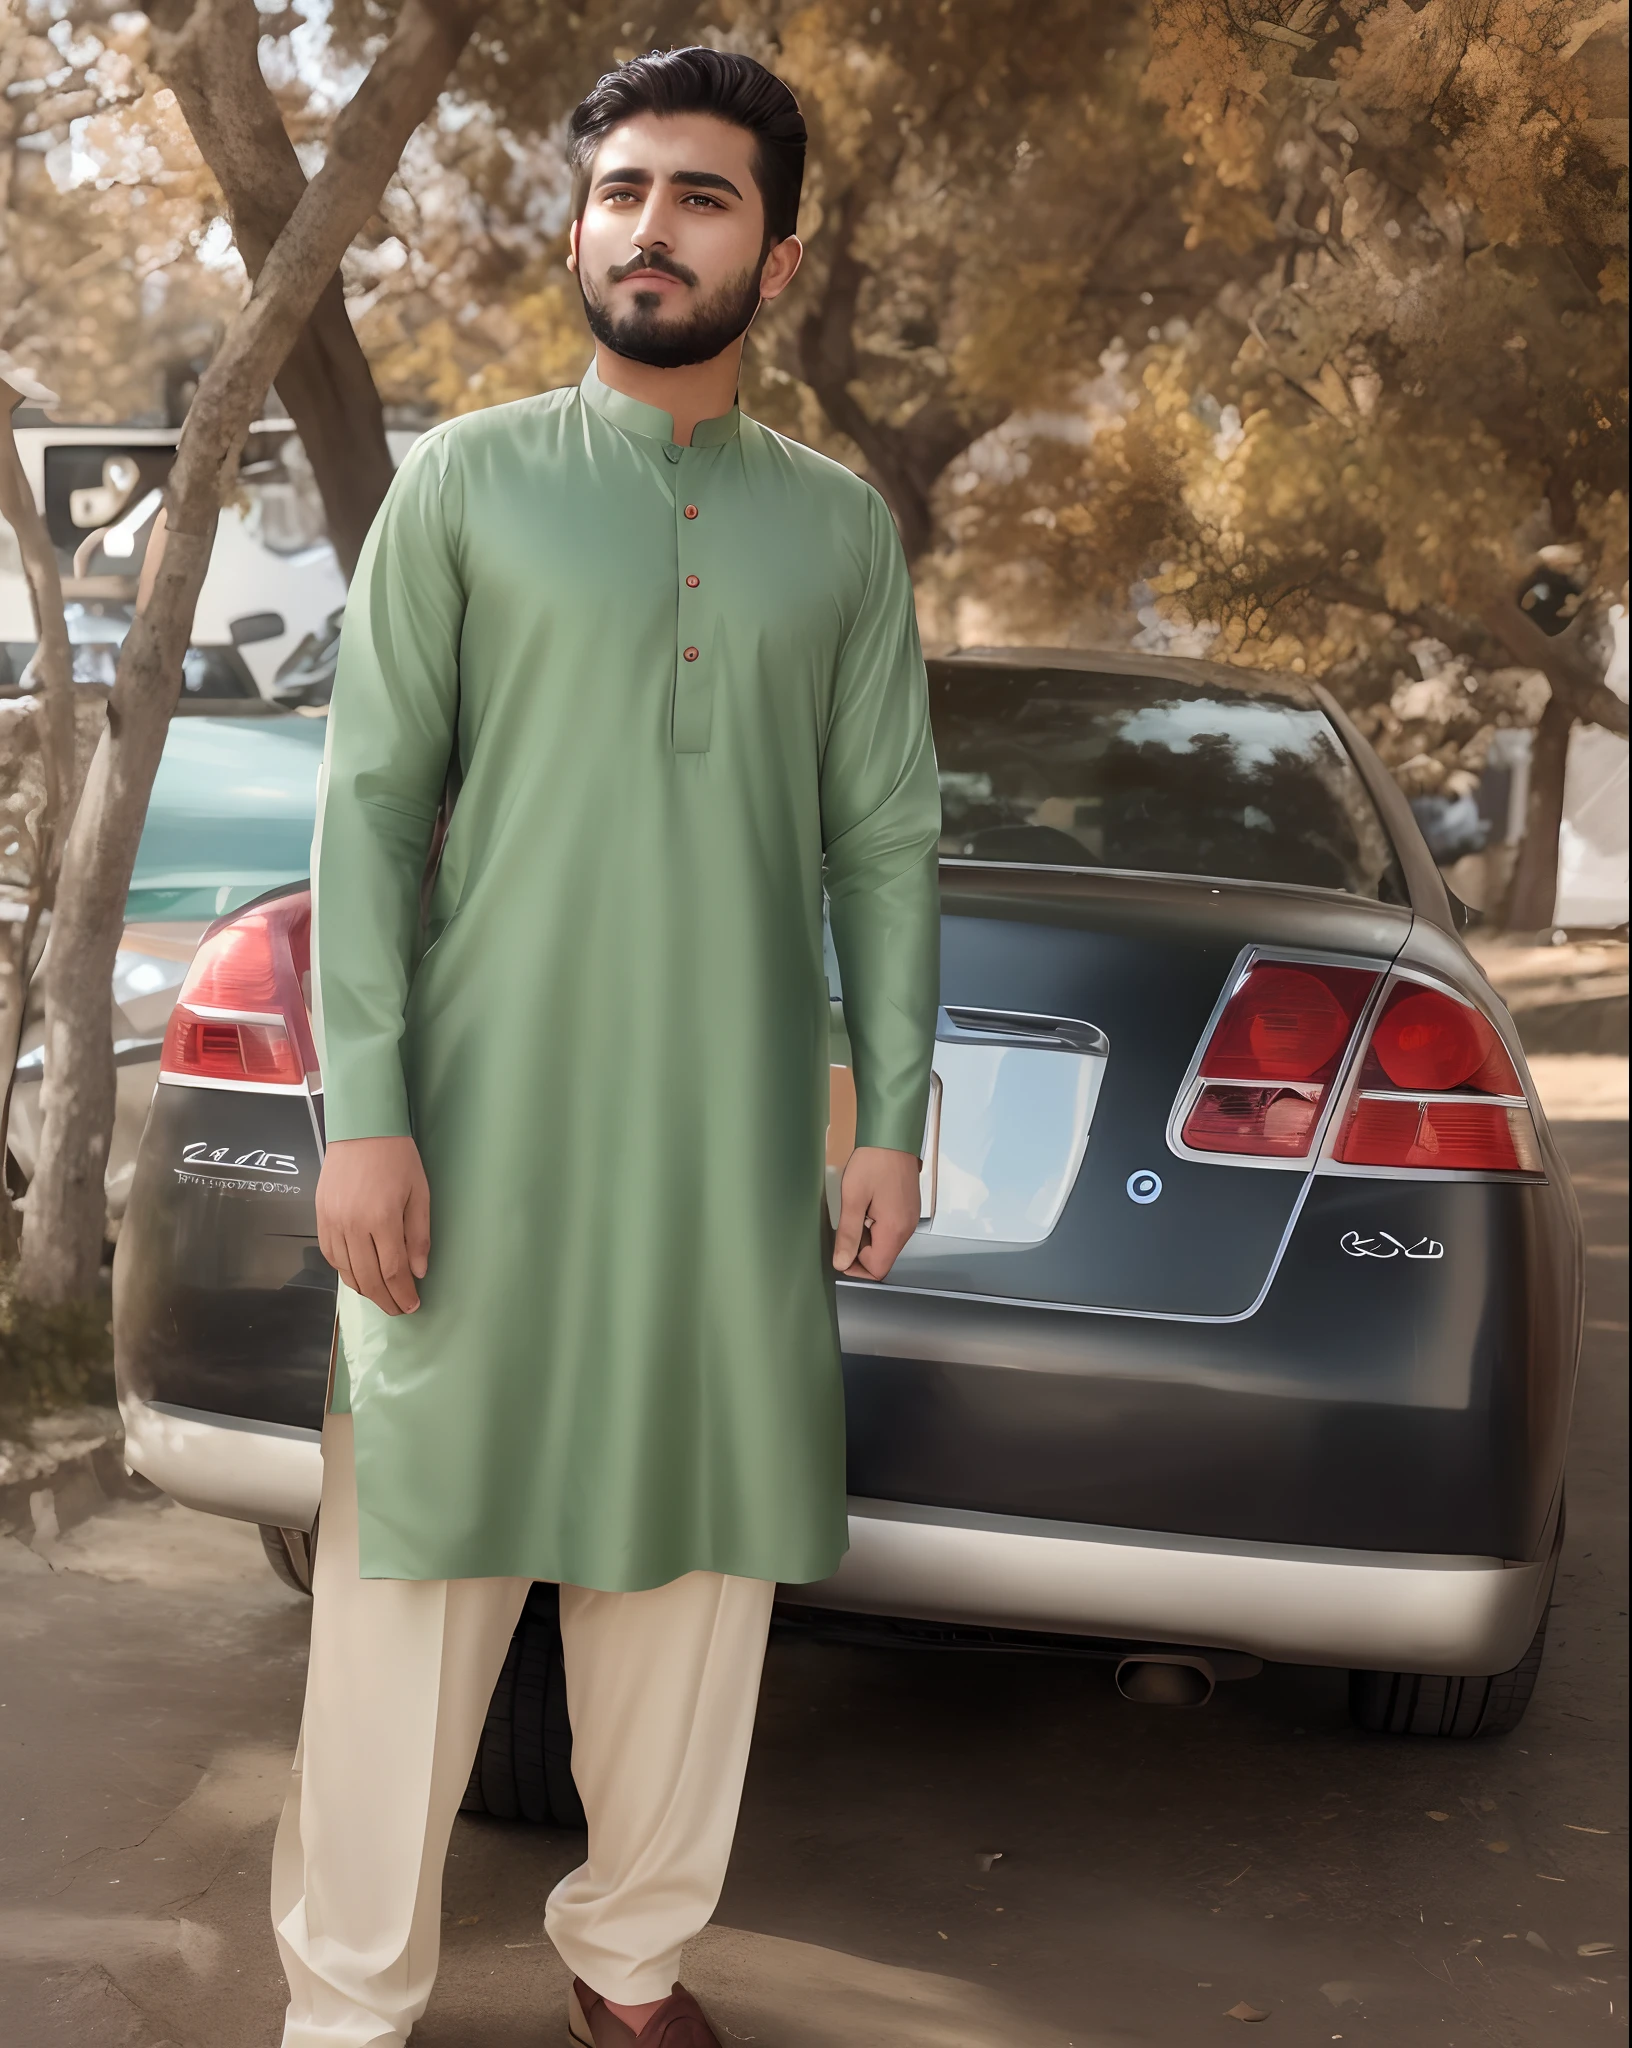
(572, 241)
(780, 266)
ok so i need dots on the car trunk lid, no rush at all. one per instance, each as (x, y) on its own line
(1073, 1006)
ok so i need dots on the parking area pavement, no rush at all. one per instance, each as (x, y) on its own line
(937, 1850)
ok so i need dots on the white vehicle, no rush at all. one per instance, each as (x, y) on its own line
(273, 578)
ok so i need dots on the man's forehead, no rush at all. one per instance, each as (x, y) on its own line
(664, 143)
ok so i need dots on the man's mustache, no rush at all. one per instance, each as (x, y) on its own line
(655, 261)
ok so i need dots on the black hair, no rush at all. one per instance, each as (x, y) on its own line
(701, 81)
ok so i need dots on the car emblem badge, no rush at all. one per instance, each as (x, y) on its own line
(1144, 1187)
(1386, 1246)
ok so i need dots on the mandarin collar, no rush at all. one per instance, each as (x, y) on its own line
(649, 421)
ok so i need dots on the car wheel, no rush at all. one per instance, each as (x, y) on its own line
(289, 1553)
(1411, 1703)
(523, 1767)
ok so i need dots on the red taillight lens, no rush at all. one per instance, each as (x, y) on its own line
(1286, 1026)
(1489, 1137)
(241, 1015)
(1430, 1059)
(1286, 1023)
(1427, 1040)
(1277, 1122)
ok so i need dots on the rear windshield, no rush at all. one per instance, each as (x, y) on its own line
(1064, 767)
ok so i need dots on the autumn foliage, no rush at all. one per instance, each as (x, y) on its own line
(1288, 332)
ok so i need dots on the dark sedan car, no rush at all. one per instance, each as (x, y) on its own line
(1242, 1319)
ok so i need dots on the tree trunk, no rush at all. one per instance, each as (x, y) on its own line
(1533, 897)
(62, 1239)
(50, 728)
(329, 389)
(207, 55)
(52, 665)
(903, 463)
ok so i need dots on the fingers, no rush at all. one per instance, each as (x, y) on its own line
(417, 1227)
(878, 1212)
(883, 1247)
(374, 1219)
(366, 1277)
(390, 1247)
(847, 1239)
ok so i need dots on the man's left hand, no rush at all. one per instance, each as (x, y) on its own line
(878, 1211)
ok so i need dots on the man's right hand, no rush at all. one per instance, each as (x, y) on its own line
(374, 1219)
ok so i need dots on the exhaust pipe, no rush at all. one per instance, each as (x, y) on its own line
(1169, 1681)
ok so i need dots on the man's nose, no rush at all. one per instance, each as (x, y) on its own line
(651, 230)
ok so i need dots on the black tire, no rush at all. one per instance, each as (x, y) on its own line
(523, 1767)
(1411, 1703)
(289, 1553)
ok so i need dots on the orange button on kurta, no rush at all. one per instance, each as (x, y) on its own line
(691, 654)
(691, 511)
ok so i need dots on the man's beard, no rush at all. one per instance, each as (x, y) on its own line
(643, 336)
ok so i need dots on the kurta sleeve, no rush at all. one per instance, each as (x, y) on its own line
(392, 724)
(881, 819)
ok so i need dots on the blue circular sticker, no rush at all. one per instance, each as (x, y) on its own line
(1144, 1186)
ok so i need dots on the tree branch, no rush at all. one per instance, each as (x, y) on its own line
(207, 53)
(1500, 627)
(52, 663)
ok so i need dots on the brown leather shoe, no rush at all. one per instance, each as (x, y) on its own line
(679, 2022)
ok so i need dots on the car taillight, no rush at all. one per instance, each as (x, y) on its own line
(241, 1014)
(1437, 1089)
(1267, 1068)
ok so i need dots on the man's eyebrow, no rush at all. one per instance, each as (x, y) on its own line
(709, 179)
(701, 180)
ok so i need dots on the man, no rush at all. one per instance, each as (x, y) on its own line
(574, 1185)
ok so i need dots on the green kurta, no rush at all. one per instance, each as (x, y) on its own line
(686, 691)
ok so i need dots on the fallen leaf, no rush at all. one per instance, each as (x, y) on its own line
(1497, 1848)
(467, 1920)
(1536, 1941)
(1596, 1948)
(1576, 1830)
(988, 1857)
(1435, 1815)
(1548, 1880)
(1242, 2011)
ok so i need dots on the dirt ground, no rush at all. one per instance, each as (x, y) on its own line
(937, 1851)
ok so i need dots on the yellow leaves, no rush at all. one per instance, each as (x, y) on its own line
(1217, 212)
(535, 343)
(1612, 281)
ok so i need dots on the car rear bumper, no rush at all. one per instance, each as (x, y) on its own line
(1365, 1609)
(1368, 1609)
(266, 1472)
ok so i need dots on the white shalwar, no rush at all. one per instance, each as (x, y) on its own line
(661, 1688)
